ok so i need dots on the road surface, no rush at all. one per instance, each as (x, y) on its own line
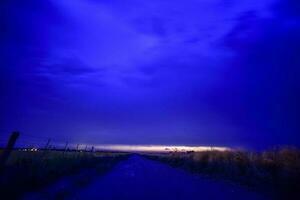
(139, 178)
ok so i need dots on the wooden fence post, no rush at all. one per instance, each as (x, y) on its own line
(47, 148)
(8, 149)
(47, 144)
(66, 146)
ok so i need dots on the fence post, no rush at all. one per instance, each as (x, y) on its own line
(65, 149)
(8, 149)
(47, 144)
(46, 149)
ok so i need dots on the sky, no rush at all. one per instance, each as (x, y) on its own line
(159, 72)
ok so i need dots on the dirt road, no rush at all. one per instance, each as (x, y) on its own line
(141, 178)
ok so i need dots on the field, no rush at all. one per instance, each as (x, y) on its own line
(31, 171)
(276, 172)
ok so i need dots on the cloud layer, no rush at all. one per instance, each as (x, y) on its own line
(194, 72)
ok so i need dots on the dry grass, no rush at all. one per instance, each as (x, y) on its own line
(29, 171)
(275, 170)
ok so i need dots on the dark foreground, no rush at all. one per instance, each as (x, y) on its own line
(32, 171)
(141, 178)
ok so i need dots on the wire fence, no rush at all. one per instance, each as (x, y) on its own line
(33, 142)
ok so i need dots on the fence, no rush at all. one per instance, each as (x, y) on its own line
(24, 142)
(35, 143)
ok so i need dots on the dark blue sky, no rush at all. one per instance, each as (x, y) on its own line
(194, 72)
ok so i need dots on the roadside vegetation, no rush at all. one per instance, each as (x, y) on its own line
(31, 171)
(276, 171)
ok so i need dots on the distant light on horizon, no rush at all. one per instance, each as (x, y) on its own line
(158, 148)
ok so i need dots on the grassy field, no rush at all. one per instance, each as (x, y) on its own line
(30, 171)
(276, 171)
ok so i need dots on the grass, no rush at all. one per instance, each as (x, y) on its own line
(30, 171)
(276, 170)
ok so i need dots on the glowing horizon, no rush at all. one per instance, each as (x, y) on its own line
(158, 148)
